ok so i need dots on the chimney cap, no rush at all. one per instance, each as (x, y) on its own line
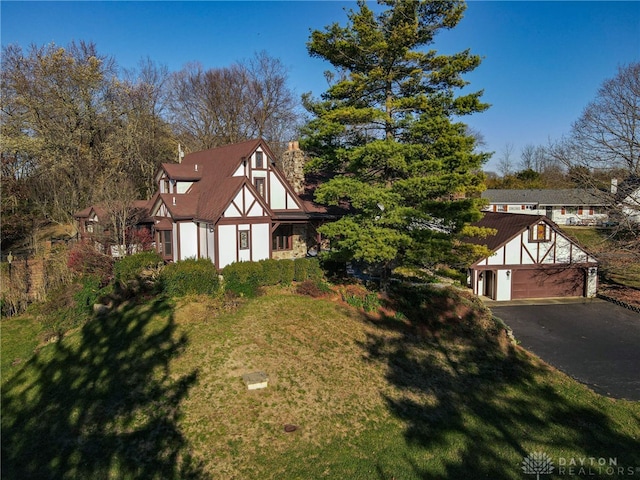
(293, 146)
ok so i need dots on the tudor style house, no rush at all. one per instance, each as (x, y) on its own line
(531, 258)
(233, 203)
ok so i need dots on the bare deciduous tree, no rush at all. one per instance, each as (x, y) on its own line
(604, 148)
(533, 157)
(608, 132)
(226, 105)
(506, 161)
(118, 199)
(142, 138)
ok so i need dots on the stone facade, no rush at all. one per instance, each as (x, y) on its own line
(293, 167)
(302, 240)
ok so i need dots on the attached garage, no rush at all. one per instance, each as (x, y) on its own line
(548, 282)
(531, 258)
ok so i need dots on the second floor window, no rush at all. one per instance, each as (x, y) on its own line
(539, 233)
(259, 183)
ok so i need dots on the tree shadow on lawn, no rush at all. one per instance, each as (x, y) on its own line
(101, 404)
(475, 404)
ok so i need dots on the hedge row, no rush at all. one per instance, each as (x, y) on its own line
(200, 276)
(130, 268)
(245, 278)
(190, 277)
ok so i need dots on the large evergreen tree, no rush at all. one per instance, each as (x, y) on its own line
(386, 134)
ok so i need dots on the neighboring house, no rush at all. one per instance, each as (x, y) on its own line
(627, 195)
(531, 258)
(564, 207)
(95, 224)
(233, 203)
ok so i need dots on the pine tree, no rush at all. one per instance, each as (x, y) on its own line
(386, 134)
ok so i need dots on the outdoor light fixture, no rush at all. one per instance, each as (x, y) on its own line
(481, 276)
(508, 273)
(592, 271)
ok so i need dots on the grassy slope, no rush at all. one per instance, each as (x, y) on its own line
(155, 391)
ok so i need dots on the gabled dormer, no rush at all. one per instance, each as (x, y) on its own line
(259, 167)
(177, 178)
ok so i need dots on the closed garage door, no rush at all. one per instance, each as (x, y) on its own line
(548, 282)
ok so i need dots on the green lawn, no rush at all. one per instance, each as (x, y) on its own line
(155, 391)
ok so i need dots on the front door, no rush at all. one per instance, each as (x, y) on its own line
(489, 284)
(549, 213)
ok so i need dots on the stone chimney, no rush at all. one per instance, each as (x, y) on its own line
(293, 166)
(614, 186)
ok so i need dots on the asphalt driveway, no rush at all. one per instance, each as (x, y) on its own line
(594, 341)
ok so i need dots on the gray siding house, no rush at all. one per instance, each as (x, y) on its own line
(564, 206)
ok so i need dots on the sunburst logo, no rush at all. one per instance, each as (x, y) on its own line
(537, 463)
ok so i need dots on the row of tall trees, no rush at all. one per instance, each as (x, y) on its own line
(76, 129)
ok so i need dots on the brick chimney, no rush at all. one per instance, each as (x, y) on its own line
(293, 166)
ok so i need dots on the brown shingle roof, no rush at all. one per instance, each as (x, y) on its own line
(216, 186)
(545, 197)
(182, 206)
(182, 172)
(508, 225)
(83, 213)
(216, 196)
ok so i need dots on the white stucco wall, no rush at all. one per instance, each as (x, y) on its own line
(504, 285)
(240, 171)
(227, 238)
(277, 193)
(260, 233)
(521, 251)
(202, 240)
(182, 187)
(174, 240)
(188, 240)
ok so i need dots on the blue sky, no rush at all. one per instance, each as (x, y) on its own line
(543, 61)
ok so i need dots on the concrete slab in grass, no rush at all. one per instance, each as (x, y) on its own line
(255, 380)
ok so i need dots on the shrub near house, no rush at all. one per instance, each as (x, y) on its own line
(245, 278)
